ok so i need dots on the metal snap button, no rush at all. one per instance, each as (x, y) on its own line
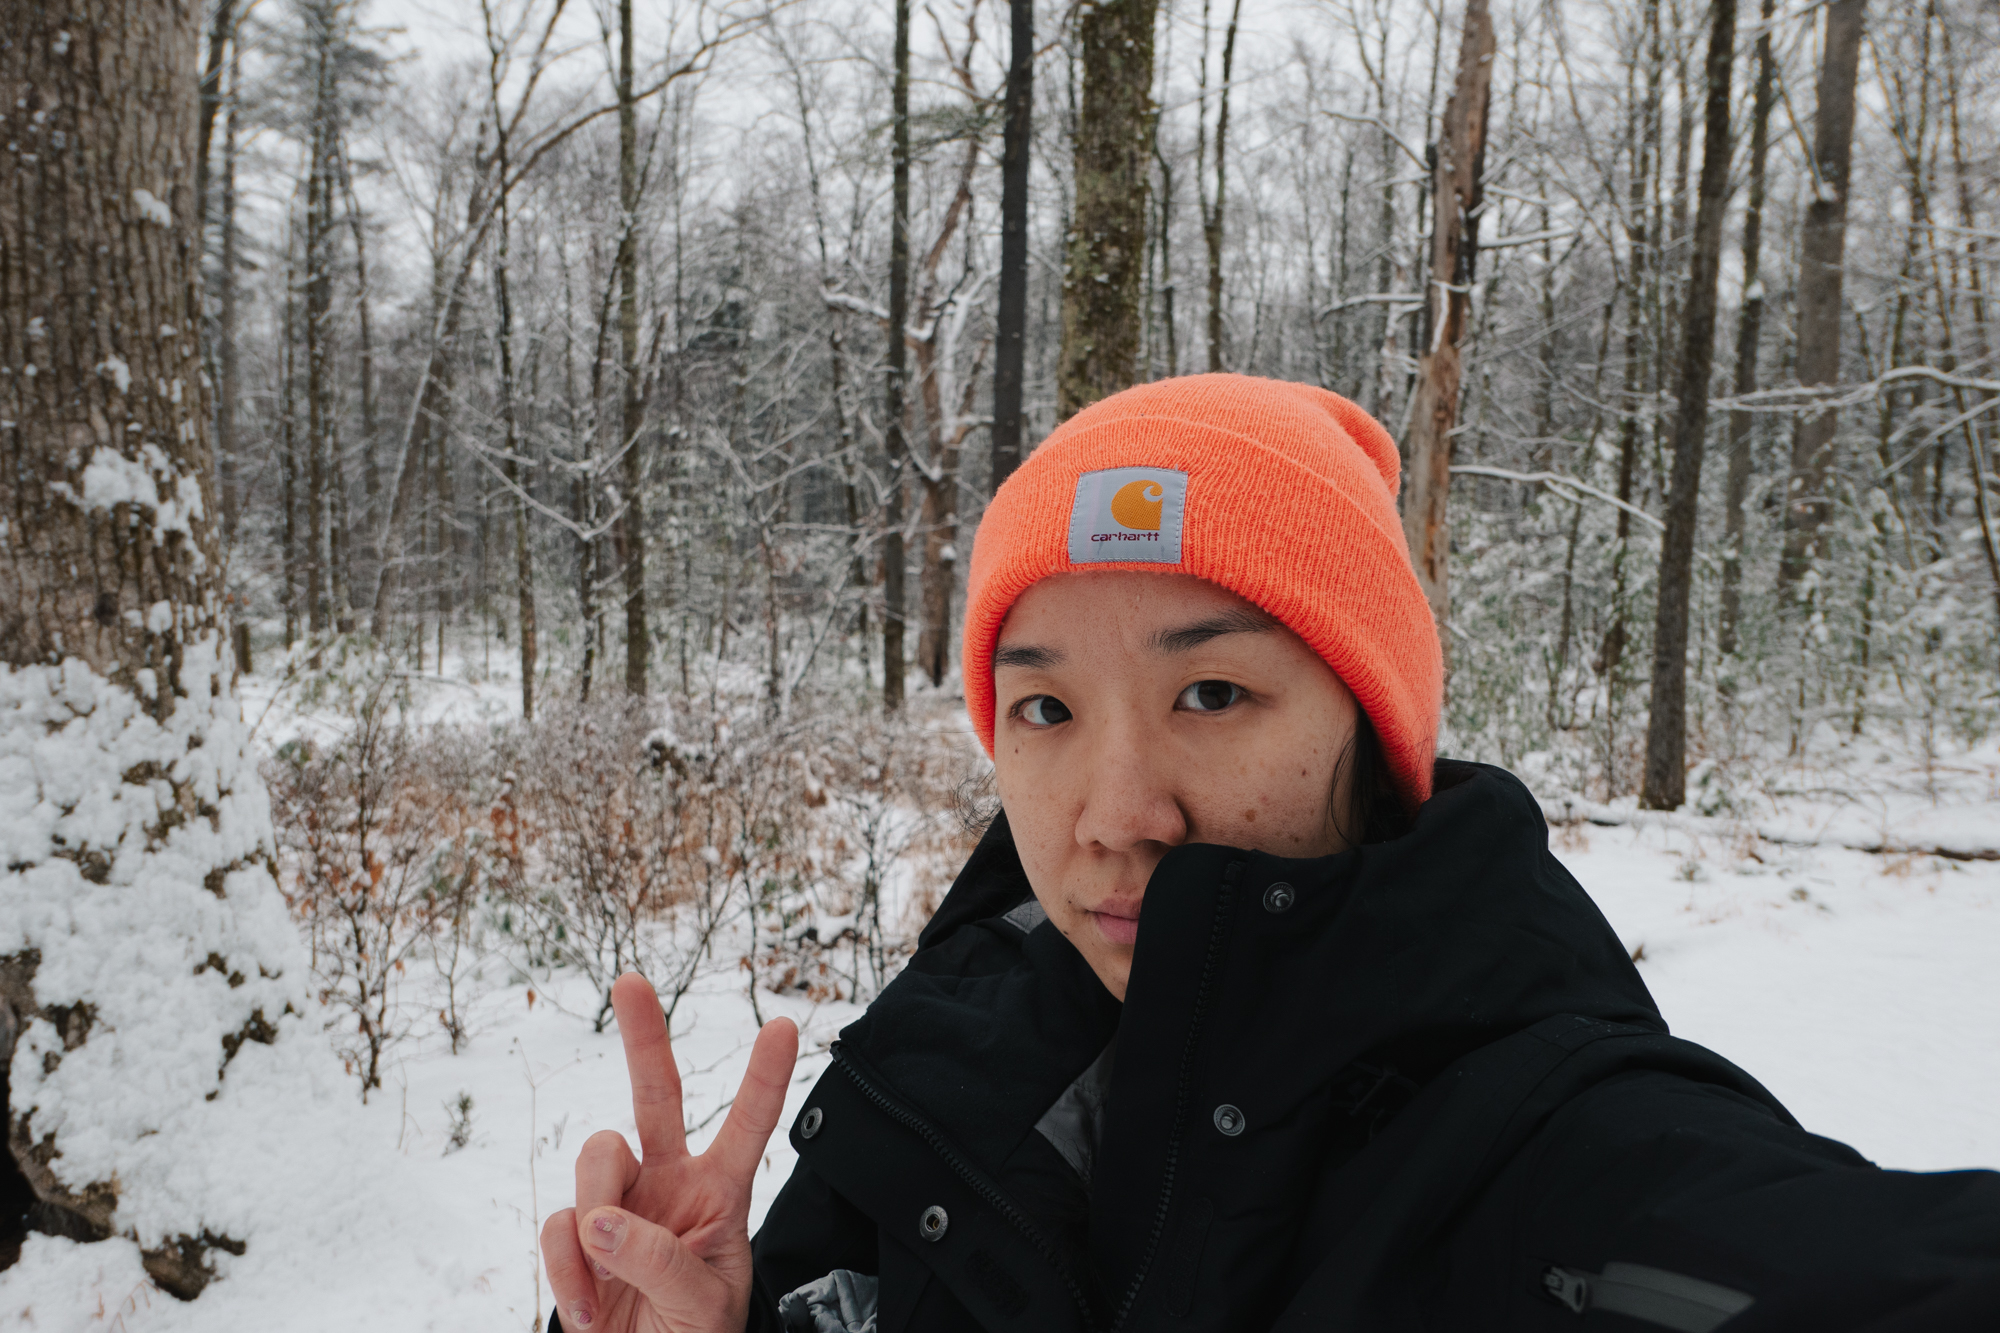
(1279, 898)
(1229, 1120)
(810, 1122)
(933, 1224)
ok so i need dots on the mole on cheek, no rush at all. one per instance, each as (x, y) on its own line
(1249, 816)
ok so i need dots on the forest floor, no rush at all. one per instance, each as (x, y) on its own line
(1856, 984)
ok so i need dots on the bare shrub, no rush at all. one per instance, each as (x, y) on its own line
(879, 810)
(380, 849)
(615, 847)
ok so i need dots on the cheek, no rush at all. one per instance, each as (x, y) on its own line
(1035, 809)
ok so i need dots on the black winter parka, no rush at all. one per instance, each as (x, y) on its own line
(1416, 1085)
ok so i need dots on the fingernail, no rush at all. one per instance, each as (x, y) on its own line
(602, 1271)
(606, 1231)
(580, 1312)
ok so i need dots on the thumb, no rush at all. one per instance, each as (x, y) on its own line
(652, 1260)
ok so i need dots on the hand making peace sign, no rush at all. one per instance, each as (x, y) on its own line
(662, 1244)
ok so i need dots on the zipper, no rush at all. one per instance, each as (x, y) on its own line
(1202, 992)
(965, 1171)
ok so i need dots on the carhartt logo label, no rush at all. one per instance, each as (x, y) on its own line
(1137, 505)
(1128, 513)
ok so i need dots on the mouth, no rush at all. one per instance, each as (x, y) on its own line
(1118, 923)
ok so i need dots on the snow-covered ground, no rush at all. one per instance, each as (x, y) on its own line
(1856, 984)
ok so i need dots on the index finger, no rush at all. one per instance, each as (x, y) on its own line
(649, 1063)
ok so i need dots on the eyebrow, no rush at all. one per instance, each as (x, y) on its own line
(1027, 657)
(1237, 620)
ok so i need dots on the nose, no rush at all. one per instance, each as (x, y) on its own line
(1129, 793)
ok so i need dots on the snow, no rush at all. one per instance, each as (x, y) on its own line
(111, 479)
(119, 908)
(118, 370)
(1854, 983)
(152, 208)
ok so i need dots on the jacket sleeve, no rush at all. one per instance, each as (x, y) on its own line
(809, 1232)
(1681, 1205)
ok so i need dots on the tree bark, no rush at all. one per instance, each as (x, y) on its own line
(1749, 328)
(1104, 276)
(512, 446)
(893, 410)
(631, 539)
(1454, 246)
(1011, 319)
(321, 421)
(1665, 783)
(944, 440)
(229, 355)
(288, 432)
(113, 633)
(1822, 250)
(1211, 222)
(371, 466)
(221, 35)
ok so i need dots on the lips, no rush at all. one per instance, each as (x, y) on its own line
(1118, 924)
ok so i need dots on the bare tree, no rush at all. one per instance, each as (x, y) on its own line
(1749, 327)
(631, 528)
(1665, 783)
(1456, 191)
(1822, 257)
(1211, 218)
(1010, 351)
(893, 407)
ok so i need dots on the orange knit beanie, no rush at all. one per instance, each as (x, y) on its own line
(1282, 493)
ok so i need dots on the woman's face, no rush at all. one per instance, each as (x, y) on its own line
(1134, 712)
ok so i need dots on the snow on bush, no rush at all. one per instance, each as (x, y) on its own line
(144, 950)
(805, 851)
(381, 837)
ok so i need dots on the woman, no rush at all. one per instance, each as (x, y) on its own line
(1368, 1058)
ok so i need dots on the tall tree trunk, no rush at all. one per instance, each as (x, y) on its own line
(1165, 250)
(632, 463)
(288, 436)
(1978, 429)
(1211, 222)
(1665, 784)
(432, 404)
(113, 632)
(1454, 249)
(1642, 263)
(944, 439)
(1749, 327)
(893, 441)
(321, 425)
(371, 467)
(1104, 275)
(229, 355)
(1822, 250)
(1011, 319)
(518, 478)
(221, 36)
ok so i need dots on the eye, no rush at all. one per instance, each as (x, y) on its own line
(1209, 696)
(1043, 710)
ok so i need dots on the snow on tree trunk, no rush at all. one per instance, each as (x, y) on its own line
(144, 947)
